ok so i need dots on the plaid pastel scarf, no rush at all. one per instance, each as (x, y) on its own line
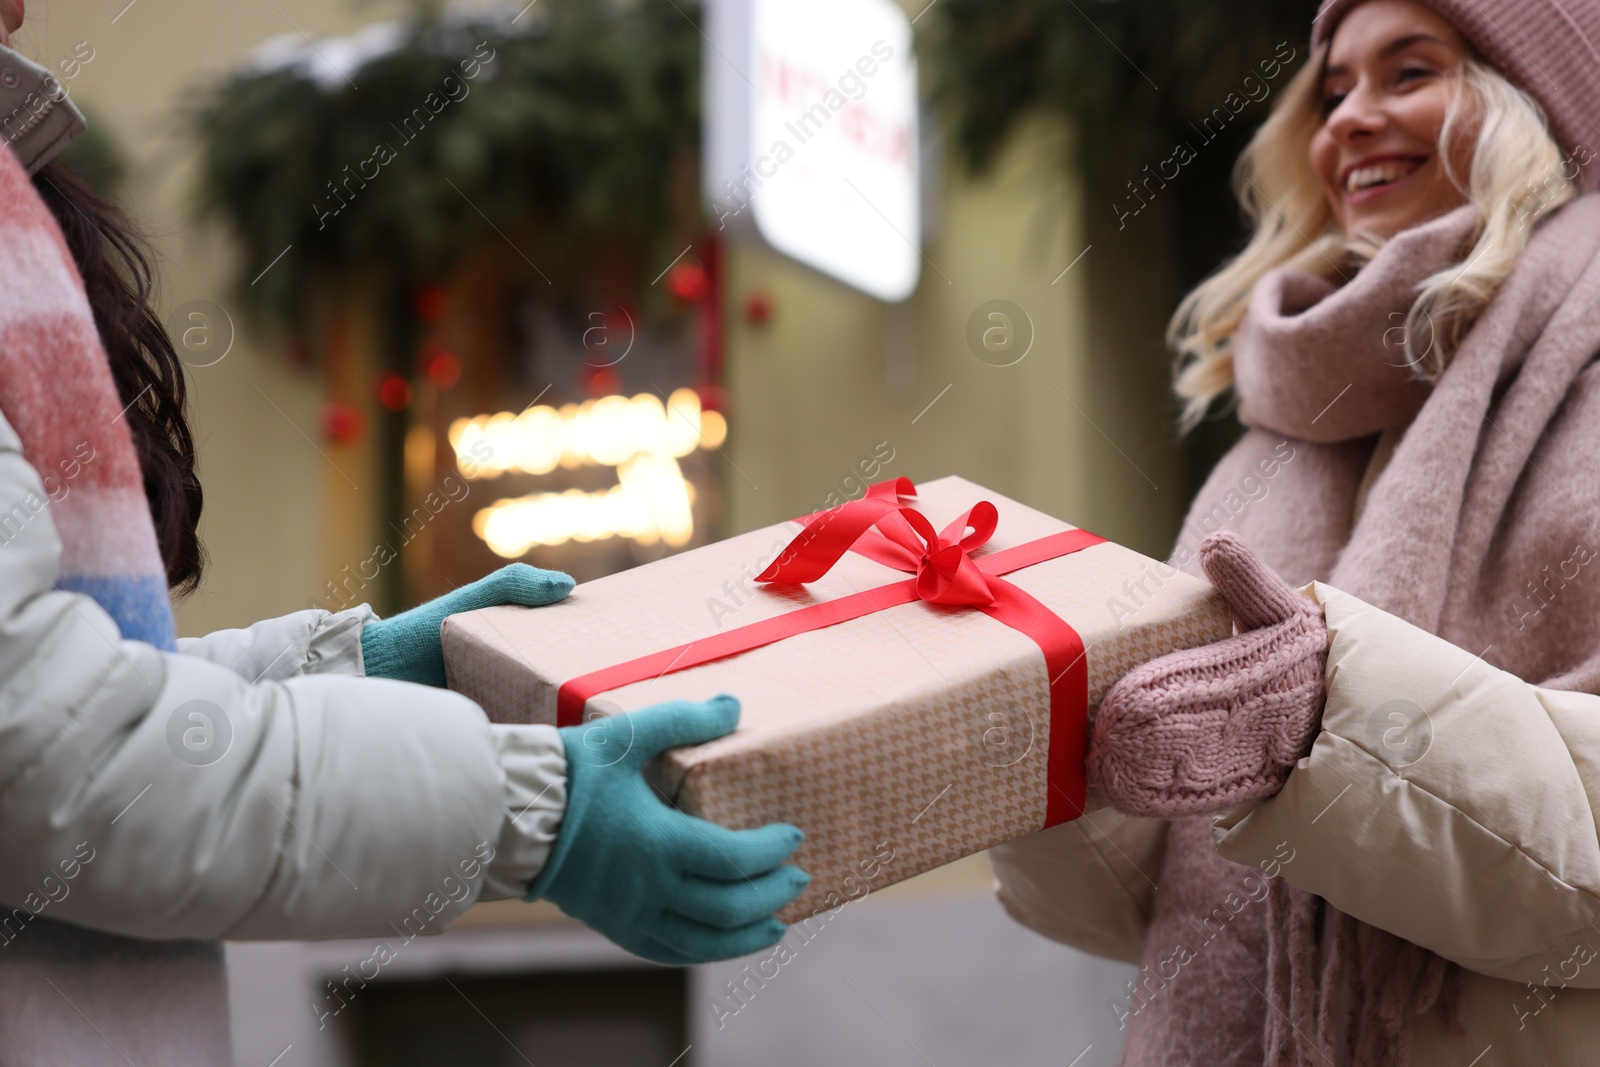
(57, 393)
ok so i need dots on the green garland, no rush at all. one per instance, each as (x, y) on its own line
(1128, 74)
(572, 133)
(1134, 81)
(96, 157)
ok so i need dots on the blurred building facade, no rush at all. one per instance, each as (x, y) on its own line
(821, 382)
(818, 374)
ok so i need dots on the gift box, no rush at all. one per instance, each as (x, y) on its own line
(917, 673)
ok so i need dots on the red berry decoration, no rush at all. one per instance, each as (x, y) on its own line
(394, 392)
(689, 282)
(430, 303)
(441, 366)
(601, 381)
(341, 421)
(758, 307)
(620, 319)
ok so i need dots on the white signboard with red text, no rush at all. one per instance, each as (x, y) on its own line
(811, 135)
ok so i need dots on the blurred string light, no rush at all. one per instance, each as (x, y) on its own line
(640, 436)
(650, 503)
(605, 432)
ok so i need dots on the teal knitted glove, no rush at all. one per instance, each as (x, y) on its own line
(406, 647)
(662, 884)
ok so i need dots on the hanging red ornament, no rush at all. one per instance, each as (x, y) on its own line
(689, 282)
(620, 319)
(758, 307)
(601, 381)
(341, 421)
(711, 396)
(394, 392)
(430, 303)
(440, 365)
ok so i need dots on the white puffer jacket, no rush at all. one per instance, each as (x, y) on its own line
(251, 786)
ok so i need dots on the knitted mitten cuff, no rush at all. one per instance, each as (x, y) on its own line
(1199, 731)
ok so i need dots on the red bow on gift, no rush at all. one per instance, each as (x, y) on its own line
(879, 527)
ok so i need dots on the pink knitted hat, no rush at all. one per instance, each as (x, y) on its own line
(1548, 48)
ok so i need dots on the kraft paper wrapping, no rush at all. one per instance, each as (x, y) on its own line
(898, 742)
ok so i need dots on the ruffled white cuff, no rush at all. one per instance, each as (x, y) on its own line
(535, 763)
(303, 642)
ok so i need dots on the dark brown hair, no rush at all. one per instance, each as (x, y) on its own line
(115, 264)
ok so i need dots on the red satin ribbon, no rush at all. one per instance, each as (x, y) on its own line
(879, 527)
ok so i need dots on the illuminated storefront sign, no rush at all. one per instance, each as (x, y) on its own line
(811, 135)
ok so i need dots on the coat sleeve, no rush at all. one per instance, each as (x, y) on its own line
(304, 642)
(160, 795)
(1089, 883)
(1444, 800)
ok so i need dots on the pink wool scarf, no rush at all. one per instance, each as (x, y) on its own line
(1490, 487)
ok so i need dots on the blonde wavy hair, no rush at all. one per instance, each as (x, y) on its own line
(1517, 177)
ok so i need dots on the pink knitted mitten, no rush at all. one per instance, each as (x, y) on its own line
(1199, 731)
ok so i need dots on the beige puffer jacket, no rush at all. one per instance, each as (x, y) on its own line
(1416, 811)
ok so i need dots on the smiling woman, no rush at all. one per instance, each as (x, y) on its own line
(1394, 122)
(1424, 493)
(1392, 77)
